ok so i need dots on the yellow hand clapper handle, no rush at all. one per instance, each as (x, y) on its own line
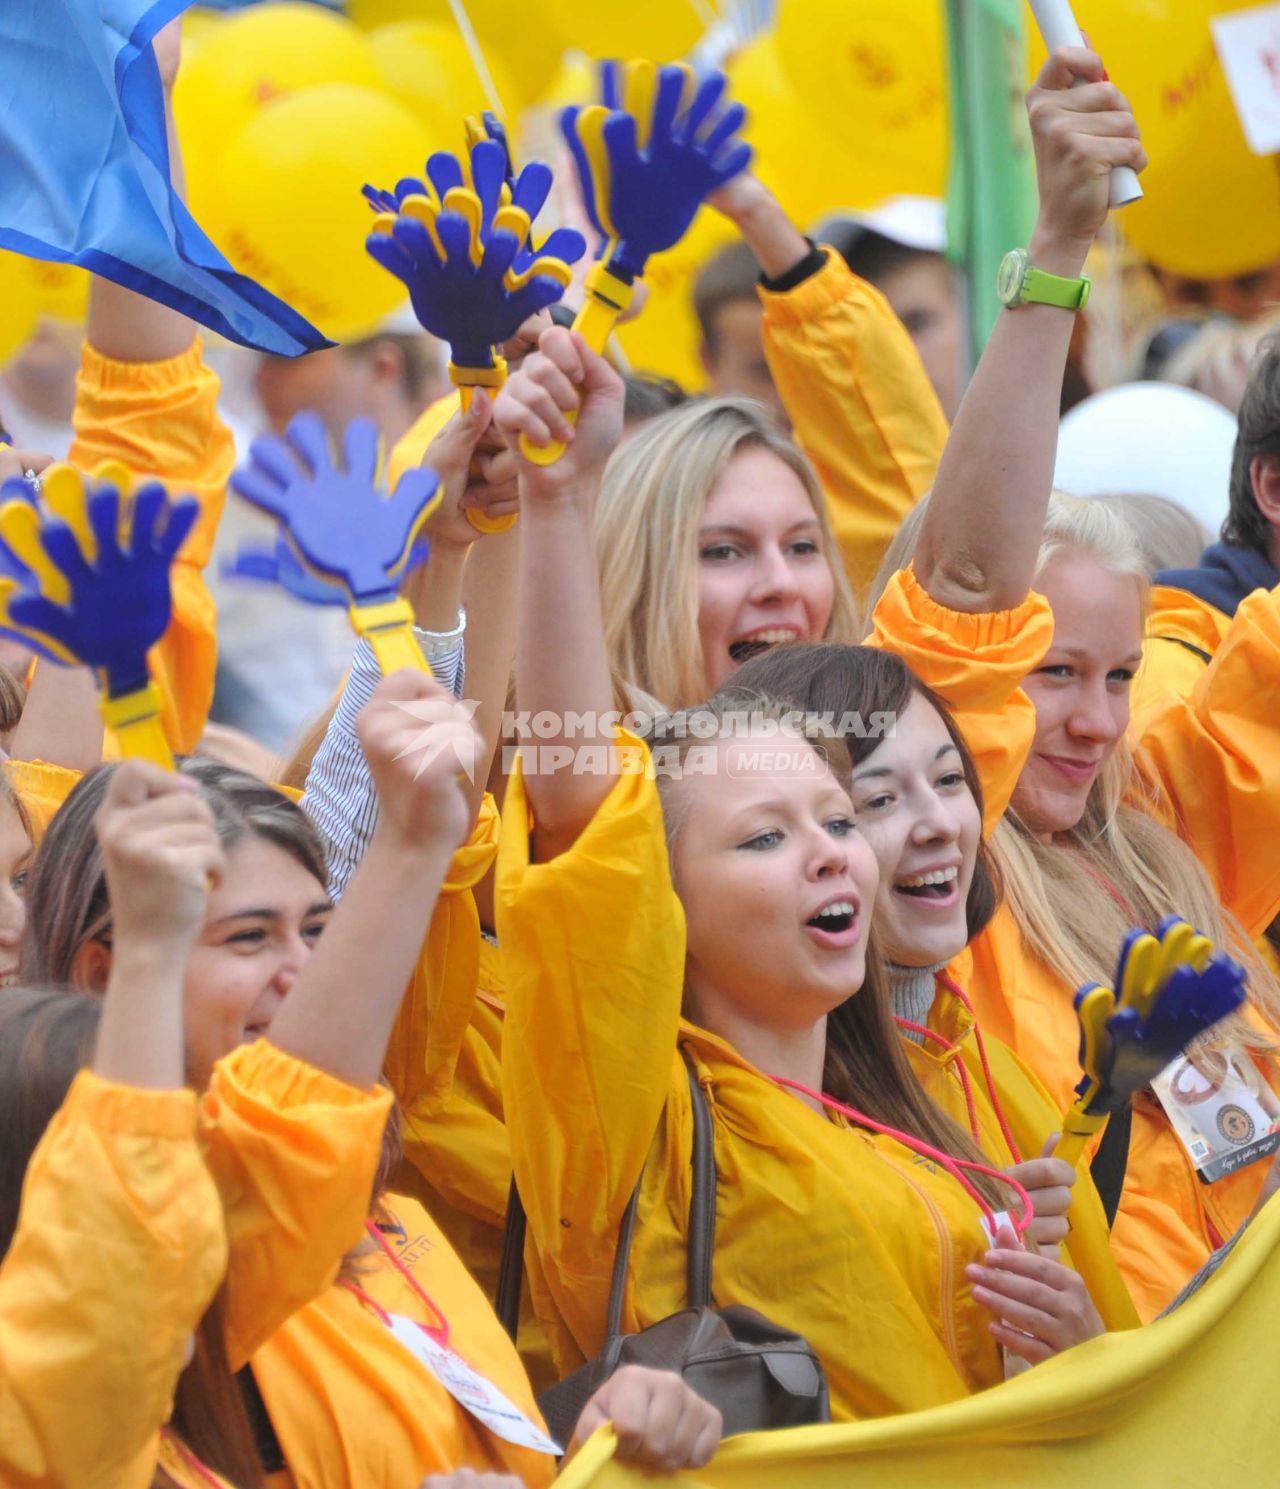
(388, 628)
(135, 719)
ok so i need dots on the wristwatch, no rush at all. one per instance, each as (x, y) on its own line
(1019, 282)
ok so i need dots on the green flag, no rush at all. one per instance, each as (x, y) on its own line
(991, 197)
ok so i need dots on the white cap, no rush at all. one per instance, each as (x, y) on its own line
(1154, 439)
(913, 221)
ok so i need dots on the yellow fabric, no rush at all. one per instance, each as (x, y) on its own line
(407, 452)
(862, 408)
(444, 1063)
(375, 1418)
(842, 1236)
(1177, 1403)
(975, 663)
(41, 788)
(1169, 667)
(1211, 757)
(160, 419)
(294, 1153)
(118, 1251)
(1032, 1117)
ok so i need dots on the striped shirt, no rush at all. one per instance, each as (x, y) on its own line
(339, 796)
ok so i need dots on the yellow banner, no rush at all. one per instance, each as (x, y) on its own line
(1186, 1401)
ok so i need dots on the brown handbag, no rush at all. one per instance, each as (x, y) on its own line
(759, 1375)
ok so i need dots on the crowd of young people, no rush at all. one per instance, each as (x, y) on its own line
(281, 1060)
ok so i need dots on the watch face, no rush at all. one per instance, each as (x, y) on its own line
(1009, 279)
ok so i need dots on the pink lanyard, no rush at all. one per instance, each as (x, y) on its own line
(952, 1166)
(439, 1331)
(191, 1461)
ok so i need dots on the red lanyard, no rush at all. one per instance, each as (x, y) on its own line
(966, 1085)
(191, 1461)
(953, 1166)
(438, 1331)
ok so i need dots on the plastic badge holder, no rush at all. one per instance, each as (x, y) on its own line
(647, 158)
(85, 581)
(341, 528)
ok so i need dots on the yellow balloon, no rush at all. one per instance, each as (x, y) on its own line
(527, 45)
(427, 68)
(664, 337)
(664, 30)
(249, 60)
(60, 291)
(18, 320)
(874, 75)
(813, 174)
(289, 210)
(1212, 207)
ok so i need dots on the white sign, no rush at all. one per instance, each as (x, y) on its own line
(1248, 43)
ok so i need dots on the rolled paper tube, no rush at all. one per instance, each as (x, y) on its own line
(1058, 27)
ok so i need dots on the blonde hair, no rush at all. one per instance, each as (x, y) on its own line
(650, 507)
(1167, 535)
(1075, 899)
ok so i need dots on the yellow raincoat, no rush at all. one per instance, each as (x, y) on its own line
(1209, 755)
(118, 1252)
(847, 1238)
(350, 1407)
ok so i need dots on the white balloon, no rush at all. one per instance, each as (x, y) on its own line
(1150, 438)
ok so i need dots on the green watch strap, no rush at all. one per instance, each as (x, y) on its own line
(1042, 288)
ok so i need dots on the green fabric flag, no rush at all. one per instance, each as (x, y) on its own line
(991, 193)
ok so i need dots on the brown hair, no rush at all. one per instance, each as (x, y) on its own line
(46, 1039)
(1258, 434)
(730, 275)
(67, 901)
(865, 1065)
(838, 681)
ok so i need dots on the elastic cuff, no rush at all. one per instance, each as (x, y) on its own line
(971, 631)
(263, 1074)
(106, 375)
(797, 273)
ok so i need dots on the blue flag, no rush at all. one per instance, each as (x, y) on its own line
(84, 167)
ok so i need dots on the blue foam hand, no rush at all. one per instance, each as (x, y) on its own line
(643, 179)
(277, 564)
(337, 521)
(464, 253)
(119, 602)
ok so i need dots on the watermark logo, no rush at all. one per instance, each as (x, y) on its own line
(684, 744)
(446, 729)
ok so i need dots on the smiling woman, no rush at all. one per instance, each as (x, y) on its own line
(714, 544)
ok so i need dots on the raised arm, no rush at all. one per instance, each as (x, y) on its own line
(339, 1015)
(853, 385)
(981, 536)
(562, 666)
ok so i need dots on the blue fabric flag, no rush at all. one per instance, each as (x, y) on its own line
(84, 167)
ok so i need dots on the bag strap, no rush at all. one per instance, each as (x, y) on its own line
(702, 1197)
(702, 1230)
(506, 1302)
(1111, 1160)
